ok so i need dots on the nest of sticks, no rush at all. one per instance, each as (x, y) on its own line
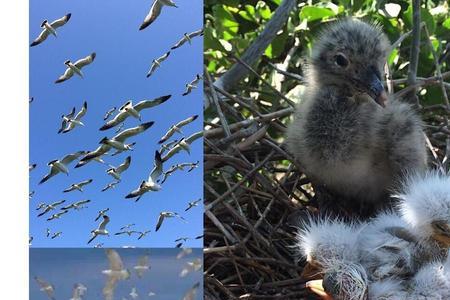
(255, 190)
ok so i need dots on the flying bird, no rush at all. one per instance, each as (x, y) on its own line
(46, 287)
(192, 292)
(60, 166)
(101, 213)
(115, 273)
(133, 294)
(128, 232)
(76, 205)
(128, 226)
(166, 147)
(177, 128)
(57, 215)
(49, 207)
(142, 266)
(156, 63)
(349, 138)
(117, 142)
(142, 234)
(151, 183)
(115, 172)
(30, 239)
(192, 85)
(101, 229)
(193, 204)
(31, 167)
(50, 28)
(187, 37)
(78, 186)
(130, 110)
(68, 123)
(183, 144)
(191, 266)
(79, 290)
(110, 185)
(167, 214)
(75, 68)
(31, 194)
(56, 234)
(47, 232)
(109, 113)
(155, 11)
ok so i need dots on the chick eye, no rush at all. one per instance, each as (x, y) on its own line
(341, 60)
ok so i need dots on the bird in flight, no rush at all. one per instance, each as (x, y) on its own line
(101, 229)
(101, 213)
(78, 186)
(183, 144)
(167, 214)
(46, 287)
(155, 11)
(115, 273)
(57, 215)
(156, 63)
(177, 128)
(115, 172)
(109, 113)
(50, 28)
(142, 266)
(187, 37)
(75, 68)
(49, 207)
(68, 123)
(110, 185)
(60, 166)
(193, 204)
(192, 85)
(151, 183)
(76, 205)
(130, 110)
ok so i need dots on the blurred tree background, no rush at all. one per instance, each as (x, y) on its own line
(253, 186)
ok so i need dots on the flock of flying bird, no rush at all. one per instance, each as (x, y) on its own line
(119, 142)
(117, 272)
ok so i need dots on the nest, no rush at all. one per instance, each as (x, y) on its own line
(255, 190)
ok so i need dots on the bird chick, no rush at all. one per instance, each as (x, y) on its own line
(425, 206)
(349, 139)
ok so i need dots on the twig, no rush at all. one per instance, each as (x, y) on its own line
(414, 53)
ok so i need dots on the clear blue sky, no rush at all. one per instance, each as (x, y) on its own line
(65, 267)
(124, 55)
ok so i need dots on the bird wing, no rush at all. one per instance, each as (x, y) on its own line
(163, 57)
(151, 103)
(110, 285)
(122, 136)
(119, 118)
(67, 74)
(160, 221)
(53, 171)
(85, 61)
(72, 112)
(186, 121)
(42, 37)
(102, 149)
(71, 157)
(196, 80)
(168, 135)
(82, 112)
(109, 113)
(154, 12)
(103, 224)
(61, 21)
(124, 166)
(157, 168)
(194, 137)
(196, 33)
(85, 182)
(69, 189)
(83, 202)
(179, 43)
(115, 262)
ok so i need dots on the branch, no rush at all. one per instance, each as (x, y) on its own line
(414, 54)
(237, 72)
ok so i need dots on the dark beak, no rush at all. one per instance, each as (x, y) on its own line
(375, 87)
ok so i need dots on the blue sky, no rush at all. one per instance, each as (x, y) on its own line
(65, 267)
(124, 55)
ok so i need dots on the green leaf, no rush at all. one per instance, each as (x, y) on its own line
(425, 17)
(446, 23)
(312, 13)
(268, 51)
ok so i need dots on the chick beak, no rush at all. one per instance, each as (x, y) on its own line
(316, 286)
(375, 87)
